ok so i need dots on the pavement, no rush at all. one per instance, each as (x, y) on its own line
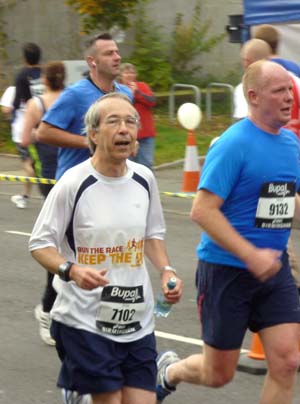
(29, 368)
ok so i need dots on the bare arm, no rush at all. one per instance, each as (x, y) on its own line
(297, 207)
(156, 251)
(262, 262)
(31, 119)
(52, 135)
(85, 277)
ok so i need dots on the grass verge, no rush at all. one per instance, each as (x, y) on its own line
(170, 140)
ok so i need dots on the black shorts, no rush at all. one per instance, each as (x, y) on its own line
(230, 300)
(94, 364)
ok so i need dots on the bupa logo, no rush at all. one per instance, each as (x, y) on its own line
(126, 295)
(122, 294)
(279, 189)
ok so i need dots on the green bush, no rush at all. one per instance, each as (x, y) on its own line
(150, 54)
(6, 144)
(188, 41)
(163, 60)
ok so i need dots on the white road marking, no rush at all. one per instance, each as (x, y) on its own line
(186, 340)
(19, 233)
(179, 338)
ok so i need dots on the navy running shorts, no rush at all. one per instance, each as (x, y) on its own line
(94, 364)
(230, 300)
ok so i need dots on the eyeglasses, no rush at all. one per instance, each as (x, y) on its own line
(114, 122)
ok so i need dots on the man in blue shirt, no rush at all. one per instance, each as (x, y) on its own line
(62, 125)
(245, 204)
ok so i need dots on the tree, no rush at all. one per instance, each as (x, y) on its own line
(4, 43)
(188, 41)
(150, 54)
(104, 14)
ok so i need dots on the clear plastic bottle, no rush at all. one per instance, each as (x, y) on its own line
(163, 308)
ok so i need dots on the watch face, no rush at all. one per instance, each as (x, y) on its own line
(63, 267)
(64, 270)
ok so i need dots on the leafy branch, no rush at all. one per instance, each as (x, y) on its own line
(104, 14)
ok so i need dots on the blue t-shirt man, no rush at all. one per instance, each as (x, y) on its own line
(258, 180)
(67, 113)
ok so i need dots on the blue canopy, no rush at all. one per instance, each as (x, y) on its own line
(271, 11)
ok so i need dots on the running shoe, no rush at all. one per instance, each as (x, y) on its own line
(44, 321)
(73, 397)
(20, 201)
(163, 360)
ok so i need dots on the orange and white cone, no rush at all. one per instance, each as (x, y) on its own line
(256, 350)
(253, 361)
(191, 170)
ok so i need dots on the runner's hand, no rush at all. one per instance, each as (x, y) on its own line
(88, 278)
(264, 263)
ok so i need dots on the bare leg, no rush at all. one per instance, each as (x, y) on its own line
(132, 395)
(128, 395)
(213, 368)
(282, 354)
(107, 398)
(27, 165)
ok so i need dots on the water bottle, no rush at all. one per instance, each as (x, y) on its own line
(163, 308)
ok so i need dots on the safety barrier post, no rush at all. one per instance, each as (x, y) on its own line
(209, 97)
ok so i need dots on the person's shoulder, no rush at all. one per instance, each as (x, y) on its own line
(238, 132)
(288, 133)
(21, 71)
(123, 89)
(81, 83)
(78, 85)
(233, 142)
(142, 84)
(239, 126)
(238, 87)
(21, 75)
(84, 89)
(74, 175)
(289, 65)
(141, 170)
(30, 71)
(69, 92)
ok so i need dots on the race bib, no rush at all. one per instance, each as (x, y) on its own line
(276, 205)
(121, 310)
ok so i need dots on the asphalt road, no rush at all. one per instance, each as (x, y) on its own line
(29, 368)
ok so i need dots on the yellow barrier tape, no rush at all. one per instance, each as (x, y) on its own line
(34, 180)
(20, 178)
(186, 195)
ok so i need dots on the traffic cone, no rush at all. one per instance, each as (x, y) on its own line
(191, 170)
(256, 350)
(254, 361)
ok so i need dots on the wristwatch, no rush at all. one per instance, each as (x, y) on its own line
(64, 271)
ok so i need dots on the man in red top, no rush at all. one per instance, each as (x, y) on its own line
(144, 101)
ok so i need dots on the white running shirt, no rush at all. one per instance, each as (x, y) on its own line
(102, 222)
